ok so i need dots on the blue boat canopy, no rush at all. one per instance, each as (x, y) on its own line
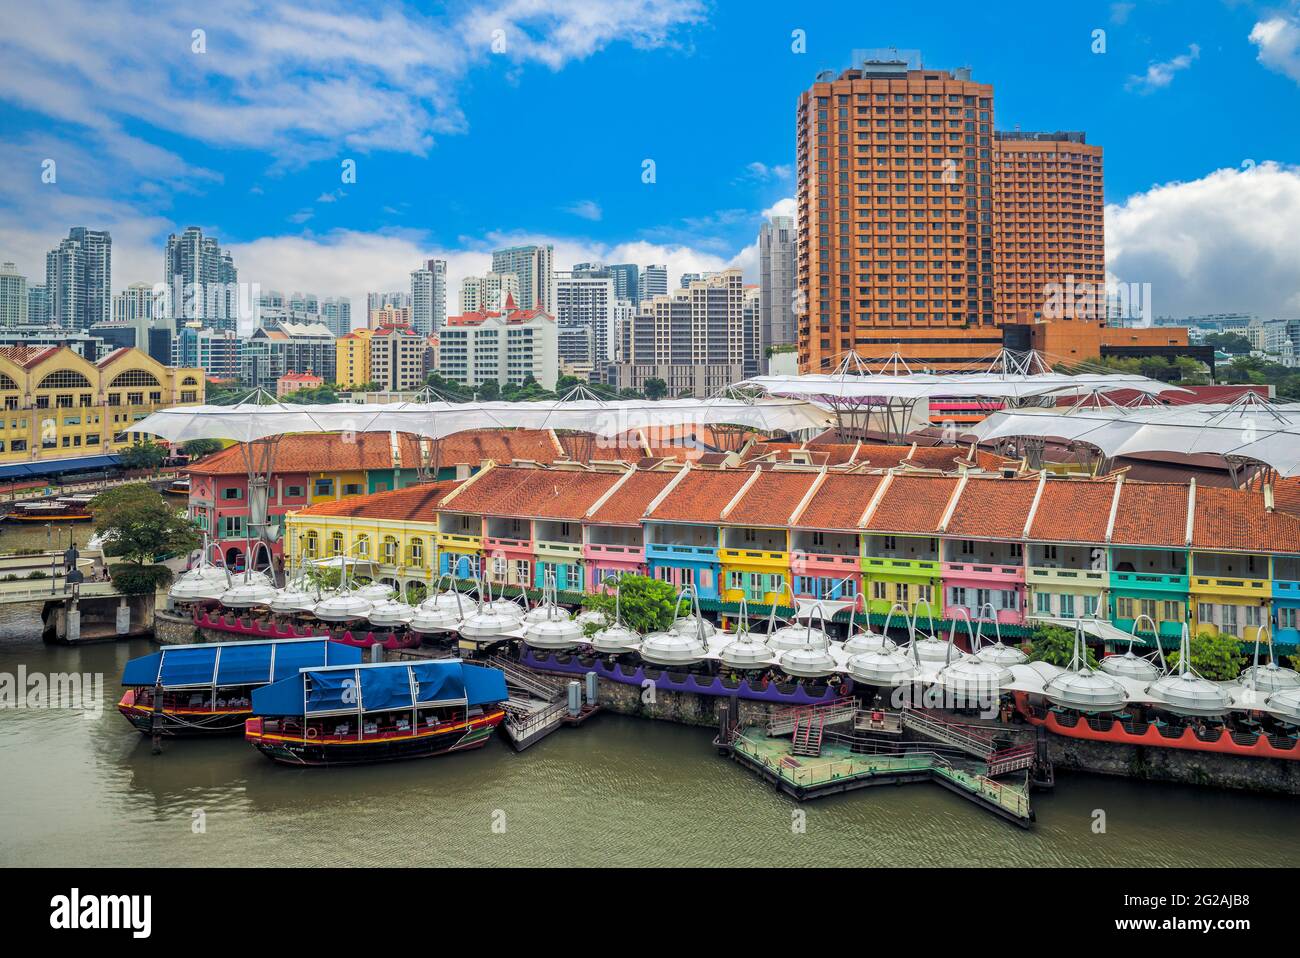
(236, 663)
(48, 467)
(380, 687)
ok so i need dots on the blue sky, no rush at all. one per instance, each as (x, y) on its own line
(459, 148)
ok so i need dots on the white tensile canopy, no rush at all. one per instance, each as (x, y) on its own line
(1249, 429)
(848, 387)
(250, 422)
(886, 395)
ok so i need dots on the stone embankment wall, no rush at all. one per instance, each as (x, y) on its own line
(685, 708)
(1175, 765)
(171, 629)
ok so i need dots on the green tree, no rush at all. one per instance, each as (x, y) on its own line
(224, 393)
(452, 390)
(323, 578)
(326, 393)
(143, 455)
(655, 389)
(1228, 342)
(131, 579)
(645, 604)
(136, 524)
(198, 448)
(1215, 656)
(1055, 646)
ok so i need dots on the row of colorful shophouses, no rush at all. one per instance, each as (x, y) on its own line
(1022, 549)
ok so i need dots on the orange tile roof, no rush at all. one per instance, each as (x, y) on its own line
(771, 499)
(913, 504)
(993, 508)
(535, 493)
(1151, 514)
(840, 501)
(330, 452)
(1073, 511)
(500, 445)
(701, 496)
(413, 503)
(327, 452)
(1236, 519)
(834, 454)
(27, 356)
(629, 503)
(628, 447)
(1286, 495)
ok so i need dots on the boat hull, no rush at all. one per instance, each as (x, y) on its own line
(183, 723)
(287, 750)
(56, 517)
(1105, 729)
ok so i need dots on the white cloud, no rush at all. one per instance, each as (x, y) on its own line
(298, 81)
(1160, 75)
(762, 172)
(586, 209)
(1119, 13)
(1222, 243)
(1278, 39)
(782, 207)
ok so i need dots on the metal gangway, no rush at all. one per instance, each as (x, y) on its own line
(833, 712)
(536, 706)
(973, 741)
(963, 737)
(527, 681)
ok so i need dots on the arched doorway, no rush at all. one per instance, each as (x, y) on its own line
(235, 559)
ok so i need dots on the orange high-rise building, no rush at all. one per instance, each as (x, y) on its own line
(895, 200)
(1049, 257)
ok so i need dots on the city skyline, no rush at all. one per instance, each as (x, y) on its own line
(290, 221)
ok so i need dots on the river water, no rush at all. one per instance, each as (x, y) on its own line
(78, 790)
(43, 535)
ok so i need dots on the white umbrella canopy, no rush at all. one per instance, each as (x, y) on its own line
(197, 590)
(292, 600)
(389, 613)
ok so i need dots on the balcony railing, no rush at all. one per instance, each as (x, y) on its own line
(615, 550)
(1234, 584)
(563, 548)
(1167, 581)
(751, 555)
(1077, 576)
(982, 569)
(681, 550)
(505, 543)
(887, 564)
(849, 563)
(460, 539)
